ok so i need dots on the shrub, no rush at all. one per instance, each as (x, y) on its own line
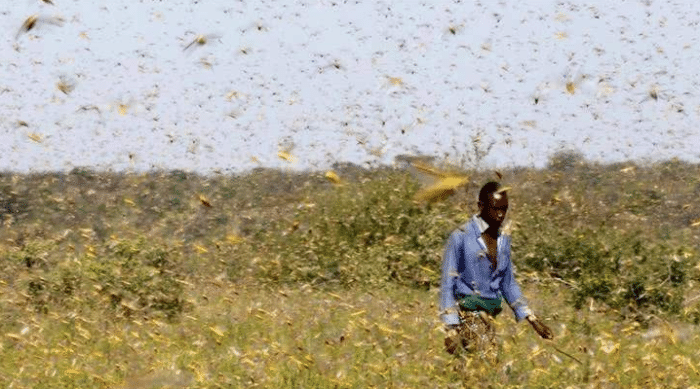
(134, 277)
(565, 160)
(619, 269)
(368, 233)
(139, 276)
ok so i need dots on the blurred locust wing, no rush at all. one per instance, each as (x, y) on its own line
(286, 156)
(442, 189)
(205, 202)
(444, 183)
(33, 21)
(428, 170)
(333, 177)
(28, 24)
(201, 40)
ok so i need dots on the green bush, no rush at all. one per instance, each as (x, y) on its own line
(621, 234)
(133, 276)
(619, 269)
(368, 233)
(139, 276)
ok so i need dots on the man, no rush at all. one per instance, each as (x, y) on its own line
(477, 273)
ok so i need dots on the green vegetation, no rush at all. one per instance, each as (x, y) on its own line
(281, 279)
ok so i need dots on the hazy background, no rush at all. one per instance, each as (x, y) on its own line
(502, 84)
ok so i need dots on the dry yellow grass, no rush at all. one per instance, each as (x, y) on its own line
(241, 335)
(125, 281)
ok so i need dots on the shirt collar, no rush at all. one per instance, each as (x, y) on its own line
(480, 223)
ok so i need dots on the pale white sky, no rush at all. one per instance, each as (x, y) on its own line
(345, 81)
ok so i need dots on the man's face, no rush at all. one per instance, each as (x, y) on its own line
(494, 211)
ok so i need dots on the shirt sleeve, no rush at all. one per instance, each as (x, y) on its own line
(511, 290)
(448, 304)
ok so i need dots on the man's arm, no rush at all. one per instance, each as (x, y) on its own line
(511, 289)
(516, 300)
(451, 257)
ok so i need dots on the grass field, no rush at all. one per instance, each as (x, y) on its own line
(280, 279)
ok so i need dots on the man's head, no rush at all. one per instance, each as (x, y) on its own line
(493, 204)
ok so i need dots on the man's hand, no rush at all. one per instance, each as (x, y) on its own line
(540, 327)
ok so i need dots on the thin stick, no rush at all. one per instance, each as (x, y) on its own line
(565, 353)
(690, 300)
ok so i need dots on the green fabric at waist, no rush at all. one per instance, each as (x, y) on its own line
(477, 303)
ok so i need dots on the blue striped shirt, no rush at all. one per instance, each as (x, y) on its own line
(466, 270)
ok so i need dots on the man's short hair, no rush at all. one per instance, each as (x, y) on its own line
(487, 190)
